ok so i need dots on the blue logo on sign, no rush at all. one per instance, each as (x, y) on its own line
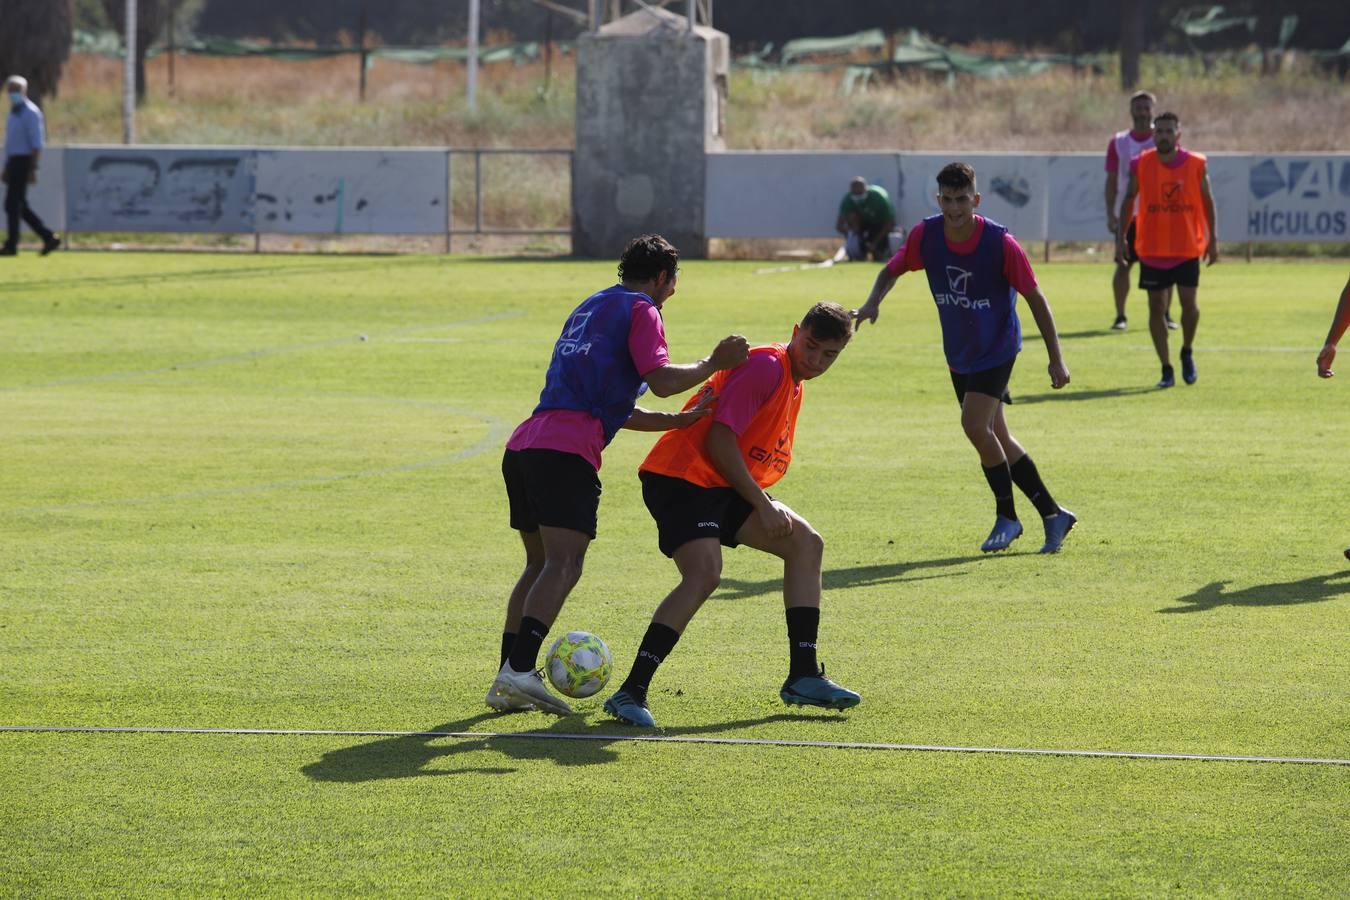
(1266, 179)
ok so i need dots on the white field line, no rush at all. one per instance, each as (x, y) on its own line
(675, 739)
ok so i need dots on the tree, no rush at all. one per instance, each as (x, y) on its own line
(1131, 41)
(151, 17)
(35, 38)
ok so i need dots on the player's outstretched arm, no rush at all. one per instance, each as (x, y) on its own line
(1211, 219)
(673, 378)
(1112, 184)
(1045, 321)
(651, 420)
(1339, 322)
(725, 454)
(880, 288)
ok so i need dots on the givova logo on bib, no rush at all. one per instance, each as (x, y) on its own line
(574, 332)
(958, 282)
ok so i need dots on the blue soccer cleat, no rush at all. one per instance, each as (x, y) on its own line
(1188, 373)
(817, 690)
(1005, 532)
(1168, 378)
(1057, 528)
(626, 709)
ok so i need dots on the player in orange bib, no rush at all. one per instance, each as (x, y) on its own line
(1339, 322)
(1175, 228)
(705, 487)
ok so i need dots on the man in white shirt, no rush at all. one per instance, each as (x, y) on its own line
(23, 149)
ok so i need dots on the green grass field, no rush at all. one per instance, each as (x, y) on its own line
(264, 492)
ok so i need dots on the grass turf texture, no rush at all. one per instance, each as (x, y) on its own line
(221, 507)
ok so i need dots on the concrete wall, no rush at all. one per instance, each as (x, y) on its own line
(1293, 198)
(650, 100)
(245, 190)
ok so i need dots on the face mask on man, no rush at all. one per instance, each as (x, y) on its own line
(15, 98)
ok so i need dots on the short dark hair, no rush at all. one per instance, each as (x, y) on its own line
(646, 256)
(1143, 95)
(957, 175)
(1160, 117)
(828, 322)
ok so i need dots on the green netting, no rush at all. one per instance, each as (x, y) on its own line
(1199, 21)
(107, 43)
(912, 50)
(872, 39)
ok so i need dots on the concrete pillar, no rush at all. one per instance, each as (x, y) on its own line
(651, 101)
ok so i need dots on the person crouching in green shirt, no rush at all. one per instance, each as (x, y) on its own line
(866, 219)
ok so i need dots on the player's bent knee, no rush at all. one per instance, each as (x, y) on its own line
(809, 539)
(703, 582)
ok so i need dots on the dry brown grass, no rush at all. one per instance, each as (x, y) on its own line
(1056, 110)
(265, 102)
(275, 102)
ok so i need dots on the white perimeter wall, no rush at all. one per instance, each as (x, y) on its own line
(1295, 198)
(242, 189)
(1282, 197)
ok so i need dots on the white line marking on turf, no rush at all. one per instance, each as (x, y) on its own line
(676, 739)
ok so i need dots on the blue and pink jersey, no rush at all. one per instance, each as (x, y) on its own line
(578, 431)
(975, 284)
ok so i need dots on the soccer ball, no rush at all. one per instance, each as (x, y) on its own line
(579, 664)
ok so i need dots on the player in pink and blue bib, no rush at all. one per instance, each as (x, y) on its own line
(975, 270)
(612, 349)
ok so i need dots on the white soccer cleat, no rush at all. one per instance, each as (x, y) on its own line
(522, 690)
(500, 699)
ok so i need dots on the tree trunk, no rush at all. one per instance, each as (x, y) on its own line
(1131, 41)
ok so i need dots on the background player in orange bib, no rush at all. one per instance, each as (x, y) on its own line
(1339, 322)
(705, 487)
(1175, 228)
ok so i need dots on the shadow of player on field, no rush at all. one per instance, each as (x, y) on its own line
(567, 741)
(835, 579)
(1075, 395)
(1281, 593)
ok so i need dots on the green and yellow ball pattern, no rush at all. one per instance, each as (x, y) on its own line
(579, 664)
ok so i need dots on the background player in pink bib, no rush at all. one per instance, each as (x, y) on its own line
(1125, 147)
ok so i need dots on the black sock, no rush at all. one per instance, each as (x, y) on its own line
(1025, 476)
(656, 646)
(525, 652)
(803, 624)
(1000, 482)
(508, 641)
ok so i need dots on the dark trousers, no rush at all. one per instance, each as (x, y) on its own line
(17, 170)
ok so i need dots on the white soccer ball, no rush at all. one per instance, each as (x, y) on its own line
(579, 664)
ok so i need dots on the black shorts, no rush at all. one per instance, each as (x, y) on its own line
(1185, 275)
(993, 382)
(1130, 256)
(549, 487)
(685, 511)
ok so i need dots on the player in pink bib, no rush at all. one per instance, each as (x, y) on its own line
(1124, 148)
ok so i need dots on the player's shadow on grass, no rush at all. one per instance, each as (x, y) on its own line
(1070, 394)
(1281, 593)
(834, 579)
(1091, 332)
(566, 741)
